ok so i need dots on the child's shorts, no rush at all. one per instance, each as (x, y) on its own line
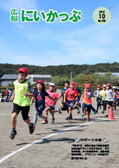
(70, 103)
(24, 110)
(40, 109)
(110, 103)
(64, 106)
(53, 108)
(88, 106)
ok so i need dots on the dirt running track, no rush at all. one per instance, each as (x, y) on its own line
(50, 145)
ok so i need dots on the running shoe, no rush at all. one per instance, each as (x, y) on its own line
(78, 112)
(82, 114)
(31, 128)
(59, 111)
(94, 112)
(68, 118)
(52, 121)
(88, 119)
(46, 120)
(43, 122)
(13, 133)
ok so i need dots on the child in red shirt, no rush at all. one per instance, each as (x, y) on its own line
(87, 102)
(71, 97)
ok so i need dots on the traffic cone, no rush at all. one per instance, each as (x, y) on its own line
(84, 112)
(110, 114)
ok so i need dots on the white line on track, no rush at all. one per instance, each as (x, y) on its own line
(40, 140)
(50, 135)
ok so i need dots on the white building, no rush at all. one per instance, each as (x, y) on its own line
(34, 78)
(113, 73)
(10, 78)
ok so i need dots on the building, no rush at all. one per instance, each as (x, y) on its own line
(112, 73)
(34, 78)
(10, 78)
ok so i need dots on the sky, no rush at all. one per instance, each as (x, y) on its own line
(58, 43)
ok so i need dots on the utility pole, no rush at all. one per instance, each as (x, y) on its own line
(70, 76)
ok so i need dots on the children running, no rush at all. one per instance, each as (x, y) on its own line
(39, 96)
(109, 96)
(98, 97)
(104, 99)
(21, 102)
(78, 99)
(45, 100)
(50, 104)
(66, 86)
(70, 98)
(87, 102)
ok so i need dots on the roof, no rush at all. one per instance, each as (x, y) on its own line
(9, 76)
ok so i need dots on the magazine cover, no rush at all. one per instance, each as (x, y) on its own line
(59, 84)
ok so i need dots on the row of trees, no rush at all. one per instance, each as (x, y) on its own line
(94, 79)
(61, 70)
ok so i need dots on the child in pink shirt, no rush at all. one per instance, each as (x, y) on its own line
(50, 104)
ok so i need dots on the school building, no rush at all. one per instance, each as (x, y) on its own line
(10, 78)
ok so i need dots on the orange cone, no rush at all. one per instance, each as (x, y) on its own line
(110, 114)
(84, 112)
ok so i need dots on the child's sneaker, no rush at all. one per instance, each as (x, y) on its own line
(59, 111)
(106, 115)
(52, 121)
(46, 120)
(43, 122)
(31, 128)
(82, 114)
(68, 118)
(94, 112)
(88, 119)
(13, 133)
(78, 112)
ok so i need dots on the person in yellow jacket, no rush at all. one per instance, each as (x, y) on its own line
(21, 103)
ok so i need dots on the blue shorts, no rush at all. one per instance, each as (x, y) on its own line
(40, 109)
(70, 103)
(53, 108)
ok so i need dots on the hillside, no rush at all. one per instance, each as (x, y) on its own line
(61, 70)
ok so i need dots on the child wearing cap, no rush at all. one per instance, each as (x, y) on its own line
(50, 104)
(58, 109)
(71, 97)
(66, 86)
(21, 102)
(109, 96)
(98, 97)
(39, 96)
(87, 102)
(78, 99)
(114, 89)
(117, 96)
(104, 99)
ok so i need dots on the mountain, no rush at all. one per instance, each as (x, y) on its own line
(61, 70)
